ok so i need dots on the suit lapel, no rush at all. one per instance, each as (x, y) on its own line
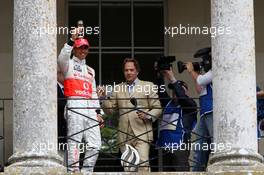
(134, 92)
(125, 93)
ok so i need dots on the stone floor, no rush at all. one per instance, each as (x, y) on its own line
(158, 173)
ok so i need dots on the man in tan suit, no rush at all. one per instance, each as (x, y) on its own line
(135, 126)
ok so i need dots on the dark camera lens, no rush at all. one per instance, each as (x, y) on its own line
(197, 66)
(181, 66)
(84, 47)
(164, 62)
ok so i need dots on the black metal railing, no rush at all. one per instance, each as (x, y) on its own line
(5, 109)
(110, 156)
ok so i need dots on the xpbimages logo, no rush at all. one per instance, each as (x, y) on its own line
(146, 89)
(174, 146)
(173, 31)
(43, 147)
(61, 30)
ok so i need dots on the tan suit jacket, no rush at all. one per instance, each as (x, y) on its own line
(142, 89)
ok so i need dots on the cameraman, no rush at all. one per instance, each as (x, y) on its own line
(204, 128)
(260, 112)
(179, 117)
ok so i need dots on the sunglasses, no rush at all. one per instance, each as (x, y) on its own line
(83, 47)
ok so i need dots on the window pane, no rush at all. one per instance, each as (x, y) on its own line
(89, 13)
(116, 24)
(148, 25)
(92, 60)
(112, 68)
(146, 62)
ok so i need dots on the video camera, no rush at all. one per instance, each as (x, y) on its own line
(164, 62)
(205, 64)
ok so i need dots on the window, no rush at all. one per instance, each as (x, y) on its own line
(128, 28)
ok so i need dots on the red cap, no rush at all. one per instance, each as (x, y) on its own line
(81, 42)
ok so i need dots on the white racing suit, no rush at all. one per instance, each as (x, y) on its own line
(80, 84)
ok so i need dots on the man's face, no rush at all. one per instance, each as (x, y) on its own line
(81, 52)
(130, 72)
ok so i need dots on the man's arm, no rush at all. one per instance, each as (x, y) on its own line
(65, 54)
(194, 76)
(95, 103)
(205, 79)
(109, 105)
(184, 100)
(199, 80)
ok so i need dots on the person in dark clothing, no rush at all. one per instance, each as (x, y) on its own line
(62, 126)
(260, 112)
(179, 118)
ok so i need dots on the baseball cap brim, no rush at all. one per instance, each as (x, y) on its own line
(81, 42)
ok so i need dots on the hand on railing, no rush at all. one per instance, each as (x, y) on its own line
(101, 93)
(100, 120)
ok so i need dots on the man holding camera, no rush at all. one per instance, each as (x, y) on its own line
(260, 112)
(204, 128)
(79, 88)
(179, 118)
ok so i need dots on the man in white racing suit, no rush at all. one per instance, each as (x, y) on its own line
(80, 90)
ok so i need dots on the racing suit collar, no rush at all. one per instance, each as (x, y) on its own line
(78, 60)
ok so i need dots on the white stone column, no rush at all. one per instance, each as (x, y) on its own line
(234, 88)
(34, 92)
